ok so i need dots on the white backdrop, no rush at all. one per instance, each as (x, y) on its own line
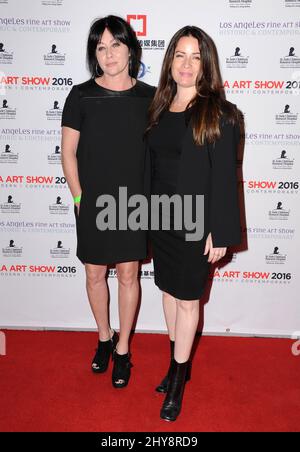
(42, 53)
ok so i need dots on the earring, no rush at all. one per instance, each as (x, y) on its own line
(96, 70)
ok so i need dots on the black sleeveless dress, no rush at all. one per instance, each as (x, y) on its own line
(110, 155)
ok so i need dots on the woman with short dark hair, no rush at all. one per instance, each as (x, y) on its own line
(192, 136)
(102, 150)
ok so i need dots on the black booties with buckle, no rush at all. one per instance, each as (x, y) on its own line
(163, 386)
(172, 403)
(103, 353)
(121, 370)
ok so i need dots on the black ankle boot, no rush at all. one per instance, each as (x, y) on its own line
(163, 386)
(103, 353)
(172, 403)
(121, 370)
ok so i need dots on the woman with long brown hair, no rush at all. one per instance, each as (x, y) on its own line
(192, 136)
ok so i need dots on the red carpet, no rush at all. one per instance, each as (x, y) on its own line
(238, 384)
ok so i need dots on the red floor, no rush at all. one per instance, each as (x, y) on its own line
(238, 384)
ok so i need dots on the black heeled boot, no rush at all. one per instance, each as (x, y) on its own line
(103, 353)
(173, 401)
(121, 370)
(163, 386)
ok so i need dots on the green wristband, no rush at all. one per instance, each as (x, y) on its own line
(77, 199)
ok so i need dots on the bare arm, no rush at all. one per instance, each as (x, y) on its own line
(69, 143)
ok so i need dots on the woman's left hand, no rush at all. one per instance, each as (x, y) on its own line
(215, 254)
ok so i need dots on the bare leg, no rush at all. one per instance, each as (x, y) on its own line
(170, 309)
(187, 318)
(128, 299)
(97, 291)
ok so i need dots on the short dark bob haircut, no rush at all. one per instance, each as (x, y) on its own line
(121, 31)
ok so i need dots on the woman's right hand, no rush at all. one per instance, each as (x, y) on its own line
(77, 205)
(214, 254)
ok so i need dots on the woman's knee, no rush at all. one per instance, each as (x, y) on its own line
(95, 275)
(188, 306)
(127, 274)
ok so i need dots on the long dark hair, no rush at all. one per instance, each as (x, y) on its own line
(121, 31)
(209, 103)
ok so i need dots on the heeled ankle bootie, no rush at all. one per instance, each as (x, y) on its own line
(173, 400)
(163, 386)
(121, 370)
(103, 353)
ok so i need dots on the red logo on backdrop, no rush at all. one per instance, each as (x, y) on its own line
(138, 23)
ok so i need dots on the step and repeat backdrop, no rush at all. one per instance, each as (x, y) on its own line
(43, 54)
